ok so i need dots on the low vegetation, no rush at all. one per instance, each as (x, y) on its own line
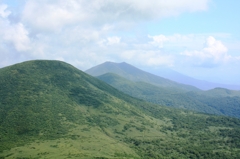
(217, 101)
(49, 109)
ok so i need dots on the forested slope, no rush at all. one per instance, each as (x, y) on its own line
(217, 101)
(49, 109)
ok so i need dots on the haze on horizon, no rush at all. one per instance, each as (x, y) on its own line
(199, 38)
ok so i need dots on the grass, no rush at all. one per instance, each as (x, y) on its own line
(85, 141)
(49, 109)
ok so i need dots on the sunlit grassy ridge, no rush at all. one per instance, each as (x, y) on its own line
(49, 109)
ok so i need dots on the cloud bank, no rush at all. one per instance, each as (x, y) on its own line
(88, 32)
(51, 15)
(85, 29)
(214, 53)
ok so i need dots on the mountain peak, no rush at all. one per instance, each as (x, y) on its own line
(123, 63)
(114, 63)
(134, 74)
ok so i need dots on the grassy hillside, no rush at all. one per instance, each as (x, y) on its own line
(49, 109)
(134, 74)
(217, 101)
(157, 95)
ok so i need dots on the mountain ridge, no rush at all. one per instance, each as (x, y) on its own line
(201, 101)
(132, 73)
(158, 95)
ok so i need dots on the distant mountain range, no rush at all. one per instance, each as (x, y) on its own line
(50, 109)
(201, 84)
(143, 85)
(124, 69)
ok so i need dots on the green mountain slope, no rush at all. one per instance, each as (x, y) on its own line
(226, 102)
(221, 92)
(49, 109)
(217, 101)
(134, 74)
(157, 95)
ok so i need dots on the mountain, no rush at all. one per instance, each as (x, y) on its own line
(221, 92)
(227, 102)
(134, 74)
(158, 90)
(201, 84)
(157, 95)
(50, 109)
(217, 101)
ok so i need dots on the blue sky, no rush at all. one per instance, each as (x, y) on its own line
(199, 38)
(220, 17)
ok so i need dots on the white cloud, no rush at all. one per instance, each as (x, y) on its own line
(216, 49)
(15, 34)
(214, 53)
(198, 49)
(107, 42)
(71, 29)
(162, 8)
(113, 40)
(176, 41)
(158, 40)
(148, 57)
(52, 15)
(18, 36)
(3, 12)
(81, 29)
(160, 60)
(88, 32)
